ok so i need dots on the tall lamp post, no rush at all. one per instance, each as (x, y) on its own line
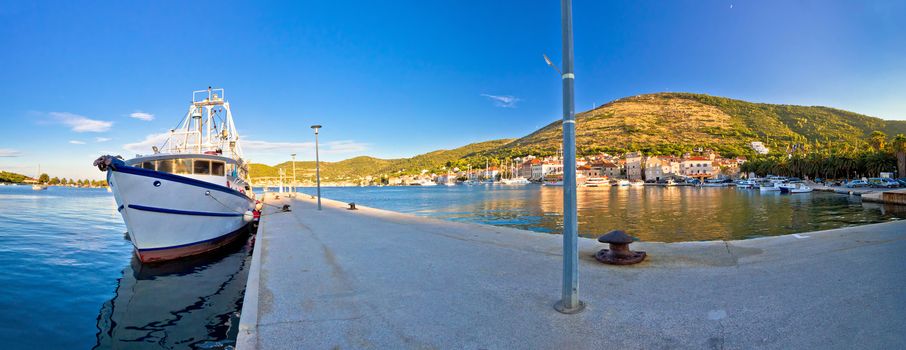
(317, 164)
(294, 174)
(569, 303)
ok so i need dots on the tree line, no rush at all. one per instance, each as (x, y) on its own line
(46, 179)
(881, 154)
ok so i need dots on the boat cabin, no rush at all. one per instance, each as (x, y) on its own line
(209, 168)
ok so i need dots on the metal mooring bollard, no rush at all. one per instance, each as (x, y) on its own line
(285, 207)
(352, 206)
(619, 253)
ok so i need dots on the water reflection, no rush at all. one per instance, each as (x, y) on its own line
(667, 214)
(188, 304)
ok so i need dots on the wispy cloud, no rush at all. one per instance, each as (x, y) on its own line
(259, 147)
(101, 139)
(76, 142)
(144, 146)
(7, 153)
(505, 101)
(142, 116)
(80, 123)
(332, 147)
(346, 146)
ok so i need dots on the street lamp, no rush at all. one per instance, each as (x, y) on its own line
(294, 175)
(569, 303)
(317, 164)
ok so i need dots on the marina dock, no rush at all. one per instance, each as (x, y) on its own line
(369, 278)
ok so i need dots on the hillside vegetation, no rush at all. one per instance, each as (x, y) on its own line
(12, 177)
(360, 167)
(662, 123)
(673, 123)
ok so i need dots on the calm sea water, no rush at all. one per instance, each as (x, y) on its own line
(664, 214)
(70, 280)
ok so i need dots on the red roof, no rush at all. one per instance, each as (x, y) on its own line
(699, 159)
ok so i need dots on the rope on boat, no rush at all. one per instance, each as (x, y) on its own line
(283, 209)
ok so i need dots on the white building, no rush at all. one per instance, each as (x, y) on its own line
(759, 147)
(540, 170)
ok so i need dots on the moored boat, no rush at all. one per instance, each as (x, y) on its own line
(796, 187)
(714, 183)
(553, 180)
(192, 195)
(596, 182)
(745, 184)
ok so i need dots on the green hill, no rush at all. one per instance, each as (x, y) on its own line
(668, 123)
(12, 177)
(662, 123)
(359, 167)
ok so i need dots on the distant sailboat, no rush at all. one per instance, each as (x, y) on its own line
(39, 186)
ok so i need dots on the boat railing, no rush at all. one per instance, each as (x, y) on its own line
(208, 97)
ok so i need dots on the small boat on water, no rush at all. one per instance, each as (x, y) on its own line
(597, 182)
(553, 180)
(519, 180)
(796, 187)
(768, 187)
(746, 184)
(39, 186)
(636, 183)
(714, 183)
(423, 182)
(190, 196)
(620, 182)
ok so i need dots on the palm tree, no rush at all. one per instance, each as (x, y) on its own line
(899, 146)
(877, 140)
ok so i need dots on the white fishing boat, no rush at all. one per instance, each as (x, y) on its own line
(636, 183)
(191, 195)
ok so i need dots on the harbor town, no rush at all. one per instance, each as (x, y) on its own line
(563, 174)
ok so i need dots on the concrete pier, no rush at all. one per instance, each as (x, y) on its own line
(374, 279)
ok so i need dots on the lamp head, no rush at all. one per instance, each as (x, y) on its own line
(548, 60)
(316, 127)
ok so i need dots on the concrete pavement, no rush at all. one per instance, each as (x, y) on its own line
(374, 279)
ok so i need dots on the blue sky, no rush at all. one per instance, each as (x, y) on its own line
(398, 78)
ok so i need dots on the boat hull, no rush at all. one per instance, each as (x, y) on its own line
(170, 216)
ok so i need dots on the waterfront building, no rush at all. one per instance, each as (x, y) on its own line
(586, 171)
(697, 167)
(661, 168)
(634, 163)
(606, 168)
(545, 168)
(525, 169)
